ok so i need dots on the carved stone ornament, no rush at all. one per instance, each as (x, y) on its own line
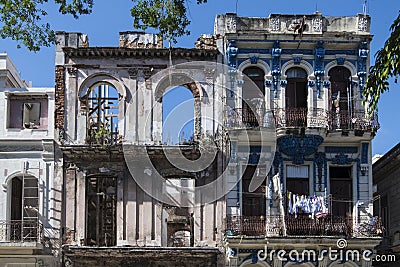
(317, 24)
(362, 24)
(72, 71)
(274, 24)
(231, 24)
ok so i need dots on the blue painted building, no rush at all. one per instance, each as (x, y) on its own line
(300, 166)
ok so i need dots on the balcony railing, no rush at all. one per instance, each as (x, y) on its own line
(302, 225)
(20, 231)
(300, 117)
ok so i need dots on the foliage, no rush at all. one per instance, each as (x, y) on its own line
(100, 136)
(387, 65)
(22, 20)
(168, 16)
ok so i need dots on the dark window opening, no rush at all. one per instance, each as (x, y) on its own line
(101, 195)
(254, 203)
(28, 112)
(296, 98)
(253, 97)
(341, 96)
(341, 191)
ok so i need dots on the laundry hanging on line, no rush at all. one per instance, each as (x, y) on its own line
(314, 205)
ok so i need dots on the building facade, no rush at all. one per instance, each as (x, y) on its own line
(310, 71)
(386, 179)
(29, 215)
(276, 154)
(109, 116)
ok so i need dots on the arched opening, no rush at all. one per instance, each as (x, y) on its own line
(296, 97)
(178, 116)
(253, 97)
(102, 104)
(24, 208)
(341, 97)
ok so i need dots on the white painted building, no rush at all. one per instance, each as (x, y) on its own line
(29, 197)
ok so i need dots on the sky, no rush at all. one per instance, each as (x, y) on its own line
(105, 23)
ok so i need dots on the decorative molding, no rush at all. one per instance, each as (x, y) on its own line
(297, 51)
(274, 24)
(276, 70)
(261, 64)
(317, 24)
(337, 149)
(254, 51)
(364, 153)
(362, 24)
(253, 59)
(141, 73)
(349, 65)
(303, 64)
(341, 52)
(362, 65)
(319, 65)
(297, 147)
(297, 59)
(231, 24)
(340, 61)
(268, 83)
(341, 159)
(72, 71)
(320, 163)
(232, 52)
(326, 84)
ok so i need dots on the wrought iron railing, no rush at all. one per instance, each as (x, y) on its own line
(300, 225)
(20, 231)
(300, 117)
(352, 121)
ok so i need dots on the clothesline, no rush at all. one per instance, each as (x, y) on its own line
(314, 205)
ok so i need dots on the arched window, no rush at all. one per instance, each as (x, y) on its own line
(178, 116)
(296, 97)
(341, 97)
(102, 114)
(252, 96)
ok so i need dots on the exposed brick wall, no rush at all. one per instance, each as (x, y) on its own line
(60, 94)
(207, 41)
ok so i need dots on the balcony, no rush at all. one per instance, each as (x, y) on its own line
(20, 231)
(300, 117)
(303, 225)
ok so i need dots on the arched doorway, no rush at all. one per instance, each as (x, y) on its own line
(296, 97)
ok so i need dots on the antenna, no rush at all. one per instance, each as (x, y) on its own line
(237, 6)
(365, 7)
